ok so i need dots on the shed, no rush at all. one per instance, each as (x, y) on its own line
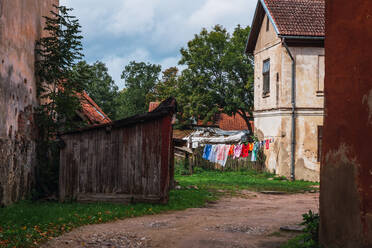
(129, 160)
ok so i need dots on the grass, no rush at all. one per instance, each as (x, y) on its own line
(298, 242)
(248, 180)
(27, 224)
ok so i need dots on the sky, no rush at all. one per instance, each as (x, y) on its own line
(119, 31)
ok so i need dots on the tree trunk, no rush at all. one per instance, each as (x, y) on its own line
(247, 121)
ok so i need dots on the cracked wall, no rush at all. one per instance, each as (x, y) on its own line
(346, 168)
(272, 111)
(21, 25)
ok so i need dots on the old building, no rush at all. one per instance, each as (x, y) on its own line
(287, 41)
(21, 24)
(346, 169)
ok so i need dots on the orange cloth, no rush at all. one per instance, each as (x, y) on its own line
(231, 151)
(251, 146)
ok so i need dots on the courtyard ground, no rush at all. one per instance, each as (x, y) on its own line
(248, 219)
(230, 197)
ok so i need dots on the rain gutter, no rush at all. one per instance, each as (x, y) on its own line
(293, 114)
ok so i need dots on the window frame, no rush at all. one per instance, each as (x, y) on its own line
(266, 78)
(320, 142)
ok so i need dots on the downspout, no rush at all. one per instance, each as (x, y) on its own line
(293, 114)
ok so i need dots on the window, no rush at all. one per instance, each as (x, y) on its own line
(321, 70)
(267, 24)
(266, 76)
(320, 138)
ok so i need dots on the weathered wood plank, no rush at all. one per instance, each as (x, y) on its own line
(117, 198)
(128, 162)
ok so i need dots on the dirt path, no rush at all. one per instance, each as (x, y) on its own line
(252, 220)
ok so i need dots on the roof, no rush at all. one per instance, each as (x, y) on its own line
(224, 121)
(153, 105)
(166, 108)
(91, 112)
(303, 19)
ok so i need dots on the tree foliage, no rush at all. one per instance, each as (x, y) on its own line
(58, 85)
(218, 75)
(140, 81)
(100, 86)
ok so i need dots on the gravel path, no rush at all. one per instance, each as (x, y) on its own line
(251, 220)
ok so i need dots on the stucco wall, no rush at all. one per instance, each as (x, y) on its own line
(20, 26)
(273, 111)
(346, 170)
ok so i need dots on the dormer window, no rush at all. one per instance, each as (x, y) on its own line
(266, 76)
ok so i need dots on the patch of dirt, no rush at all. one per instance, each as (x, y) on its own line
(248, 221)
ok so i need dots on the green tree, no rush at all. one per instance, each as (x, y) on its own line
(99, 86)
(168, 85)
(218, 77)
(140, 81)
(58, 84)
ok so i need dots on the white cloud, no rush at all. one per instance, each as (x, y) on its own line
(133, 16)
(118, 31)
(227, 13)
(116, 64)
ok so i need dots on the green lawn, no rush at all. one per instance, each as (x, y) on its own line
(27, 224)
(249, 180)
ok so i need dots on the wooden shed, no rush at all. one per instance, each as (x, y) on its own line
(129, 160)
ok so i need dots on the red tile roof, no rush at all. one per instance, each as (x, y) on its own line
(91, 111)
(224, 121)
(298, 17)
(153, 105)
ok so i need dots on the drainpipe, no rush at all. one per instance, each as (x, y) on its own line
(293, 101)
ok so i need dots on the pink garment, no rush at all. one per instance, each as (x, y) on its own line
(221, 151)
(226, 155)
(237, 151)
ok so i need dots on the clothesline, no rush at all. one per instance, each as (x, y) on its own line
(219, 153)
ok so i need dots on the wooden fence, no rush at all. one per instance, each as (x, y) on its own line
(130, 160)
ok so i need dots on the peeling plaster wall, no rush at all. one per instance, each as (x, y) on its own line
(273, 111)
(20, 26)
(346, 169)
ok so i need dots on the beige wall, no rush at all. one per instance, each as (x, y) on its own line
(20, 26)
(273, 111)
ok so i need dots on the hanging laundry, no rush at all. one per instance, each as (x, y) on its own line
(212, 154)
(207, 151)
(223, 154)
(254, 152)
(216, 152)
(251, 146)
(220, 152)
(226, 155)
(237, 151)
(231, 150)
(267, 144)
(195, 145)
(245, 151)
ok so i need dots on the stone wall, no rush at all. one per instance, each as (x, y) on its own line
(346, 169)
(273, 111)
(21, 24)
